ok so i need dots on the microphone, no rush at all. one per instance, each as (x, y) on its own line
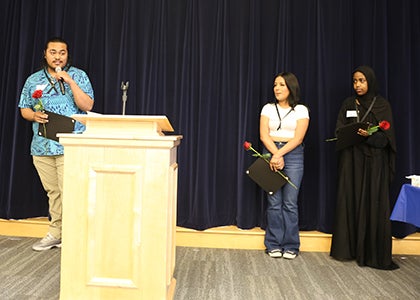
(60, 81)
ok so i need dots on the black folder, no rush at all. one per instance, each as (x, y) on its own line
(56, 124)
(267, 179)
(347, 135)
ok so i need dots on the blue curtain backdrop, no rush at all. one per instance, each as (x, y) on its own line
(209, 66)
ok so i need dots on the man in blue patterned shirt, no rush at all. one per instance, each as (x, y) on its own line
(63, 89)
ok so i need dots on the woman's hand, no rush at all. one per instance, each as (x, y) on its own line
(362, 132)
(276, 163)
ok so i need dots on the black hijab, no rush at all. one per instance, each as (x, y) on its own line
(373, 88)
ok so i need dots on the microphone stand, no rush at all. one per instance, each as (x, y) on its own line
(124, 88)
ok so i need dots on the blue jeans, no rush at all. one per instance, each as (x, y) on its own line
(282, 230)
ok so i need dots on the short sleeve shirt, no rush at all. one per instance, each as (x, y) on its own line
(288, 119)
(53, 100)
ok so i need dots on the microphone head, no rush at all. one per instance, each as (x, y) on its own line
(57, 69)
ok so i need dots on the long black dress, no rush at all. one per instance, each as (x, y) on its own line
(362, 228)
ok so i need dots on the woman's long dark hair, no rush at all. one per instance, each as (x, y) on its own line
(292, 84)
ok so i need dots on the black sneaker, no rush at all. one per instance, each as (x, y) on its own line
(275, 253)
(289, 255)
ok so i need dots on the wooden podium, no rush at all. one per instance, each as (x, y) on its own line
(119, 209)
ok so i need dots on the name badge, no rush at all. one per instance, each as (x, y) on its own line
(41, 86)
(351, 114)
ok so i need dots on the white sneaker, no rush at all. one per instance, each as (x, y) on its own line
(289, 255)
(275, 253)
(47, 243)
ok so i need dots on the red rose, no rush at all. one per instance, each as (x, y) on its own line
(247, 145)
(37, 94)
(384, 125)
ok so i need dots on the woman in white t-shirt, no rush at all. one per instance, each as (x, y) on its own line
(283, 126)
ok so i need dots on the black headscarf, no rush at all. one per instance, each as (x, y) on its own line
(373, 88)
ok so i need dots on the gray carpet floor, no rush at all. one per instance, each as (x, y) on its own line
(219, 274)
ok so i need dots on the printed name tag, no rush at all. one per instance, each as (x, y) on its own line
(351, 114)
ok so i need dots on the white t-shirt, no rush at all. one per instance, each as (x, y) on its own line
(288, 119)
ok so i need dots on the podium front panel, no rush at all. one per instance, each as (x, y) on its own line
(119, 217)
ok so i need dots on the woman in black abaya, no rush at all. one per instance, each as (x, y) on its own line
(362, 229)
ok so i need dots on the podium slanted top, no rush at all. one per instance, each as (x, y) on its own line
(124, 124)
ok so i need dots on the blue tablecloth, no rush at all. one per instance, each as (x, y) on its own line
(407, 207)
